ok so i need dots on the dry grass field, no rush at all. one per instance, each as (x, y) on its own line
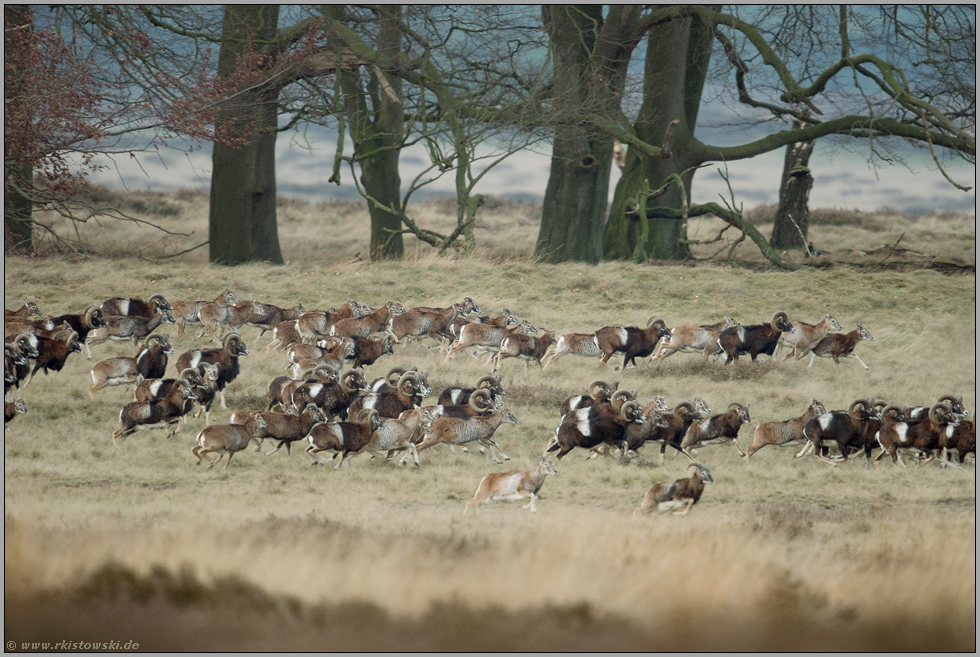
(137, 543)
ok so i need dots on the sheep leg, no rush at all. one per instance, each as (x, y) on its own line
(555, 356)
(411, 453)
(855, 356)
(343, 459)
(664, 353)
(687, 509)
(315, 455)
(492, 455)
(211, 462)
(532, 505)
(807, 448)
(426, 443)
(490, 445)
(737, 448)
(827, 460)
(946, 459)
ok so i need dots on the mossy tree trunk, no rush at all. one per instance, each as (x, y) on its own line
(375, 117)
(678, 53)
(792, 221)
(18, 224)
(242, 222)
(591, 55)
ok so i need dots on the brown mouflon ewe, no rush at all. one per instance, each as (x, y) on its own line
(513, 486)
(678, 496)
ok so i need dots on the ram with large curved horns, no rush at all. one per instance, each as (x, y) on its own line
(632, 341)
(226, 359)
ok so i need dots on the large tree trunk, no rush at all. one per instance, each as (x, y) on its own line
(590, 60)
(575, 199)
(678, 52)
(375, 115)
(18, 227)
(242, 220)
(792, 219)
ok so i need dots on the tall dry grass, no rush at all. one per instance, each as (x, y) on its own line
(135, 542)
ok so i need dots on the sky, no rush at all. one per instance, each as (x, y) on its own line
(843, 178)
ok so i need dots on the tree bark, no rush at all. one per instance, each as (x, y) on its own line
(375, 116)
(792, 219)
(591, 56)
(678, 52)
(242, 222)
(18, 227)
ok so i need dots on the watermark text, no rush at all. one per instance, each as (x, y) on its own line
(29, 646)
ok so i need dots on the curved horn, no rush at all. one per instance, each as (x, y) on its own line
(934, 415)
(620, 397)
(345, 381)
(397, 372)
(899, 412)
(408, 379)
(319, 372)
(90, 314)
(487, 381)
(630, 410)
(868, 404)
(779, 318)
(481, 400)
(955, 402)
(698, 466)
(686, 405)
(190, 373)
(227, 339)
(736, 405)
(604, 387)
(656, 321)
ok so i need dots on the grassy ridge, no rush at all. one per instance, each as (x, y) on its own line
(781, 553)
